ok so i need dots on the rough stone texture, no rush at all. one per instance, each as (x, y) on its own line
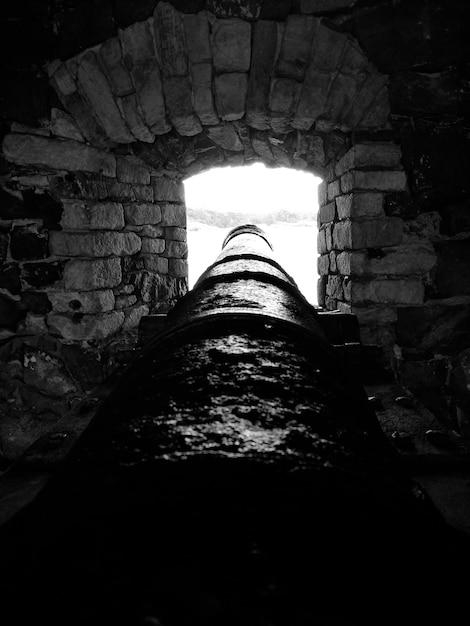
(378, 180)
(134, 118)
(86, 327)
(265, 38)
(94, 216)
(93, 245)
(368, 233)
(157, 264)
(230, 95)
(153, 246)
(370, 155)
(57, 154)
(170, 40)
(359, 205)
(87, 275)
(197, 38)
(28, 242)
(231, 45)
(327, 213)
(401, 291)
(47, 374)
(117, 73)
(41, 274)
(97, 90)
(402, 260)
(142, 213)
(98, 301)
(283, 100)
(167, 189)
(63, 125)
(203, 99)
(178, 268)
(294, 54)
(178, 100)
(226, 137)
(173, 215)
(132, 170)
(176, 249)
(134, 315)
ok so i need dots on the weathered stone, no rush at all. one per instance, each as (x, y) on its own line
(153, 246)
(117, 73)
(79, 185)
(35, 324)
(139, 57)
(374, 233)
(403, 260)
(97, 301)
(173, 215)
(176, 249)
(63, 82)
(312, 99)
(167, 189)
(134, 315)
(47, 374)
(119, 192)
(142, 213)
(78, 327)
(354, 61)
(382, 291)
(231, 45)
(132, 170)
(375, 316)
(440, 326)
(96, 88)
(294, 54)
(203, 100)
(196, 29)
(369, 155)
(323, 264)
(152, 231)
(28, 241)
(333, 190)
(327, 213)
(340, 97)
(373, 180)
(365, 97)
(178, 268)
(321, 241)
(329, 236)
(327, 48)
(265, 39)
(283, 100)
(63, 125)
(131, 112)
(334, 287)
(378, 113)
(36, 301)
(322, 193)
(175, 233)
(452, 275)
(95, 244)
(359, 205)
(178, 99)
(123, 302)
(230, 95)
(57, 154)
(157, 264)
(170, 40)
(226, 137)
(42, 274)
(425, 226)
(95, 216)
(87, 275)
(143, 193)
(80, 110)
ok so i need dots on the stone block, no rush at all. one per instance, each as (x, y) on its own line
(94, 244)
(167, 189)
(329, 230)
(98, 301)
(294, 54)
(321, 242)
(368, 91)
(173, 215)
(383, 291)
(119, 192)
(78, 327)
(333, 190)
(327, 213)
(176, 233)
(226, 137)
(87, 275)
(230, 95)
(176, 249)
(178, 99)
(92, 216)
(231, 45)
(327, 48)
(312, 98)
(359, 204)
(96, 88)
(59, 154)
(151, 230)
(376, 116)
(63, 125)
(134, 315)
(178, 268)
(203, 99)
(283, 100)
(117, 73)
(170, 40)
(376, 233)
(132, 170)
(152, 246)
(143, 193)
(333, 264)
(196, 27)
(142, 213)
(370, 155)
(323, 264)
(322, 193)
(28, 241)
(398, 261)
(47, 374)
(125, 301)
(265, 40)
(43, 274)
(157, 264)
(334, 287)
(131, 111)
(375, 180)
(375, 315)
(340, 97)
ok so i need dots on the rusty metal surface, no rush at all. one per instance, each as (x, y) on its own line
(236, 475)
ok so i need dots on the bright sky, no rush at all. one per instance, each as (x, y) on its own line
(256, 189)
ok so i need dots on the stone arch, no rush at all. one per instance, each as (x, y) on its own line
(174, 95)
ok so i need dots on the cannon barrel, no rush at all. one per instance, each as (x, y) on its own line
(236, 475)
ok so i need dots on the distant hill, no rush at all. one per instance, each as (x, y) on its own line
(230, 219)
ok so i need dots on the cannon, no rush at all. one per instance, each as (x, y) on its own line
(236, 475)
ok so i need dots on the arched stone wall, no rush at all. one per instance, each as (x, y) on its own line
(97, 231)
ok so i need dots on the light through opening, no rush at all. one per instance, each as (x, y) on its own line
(283, 202)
